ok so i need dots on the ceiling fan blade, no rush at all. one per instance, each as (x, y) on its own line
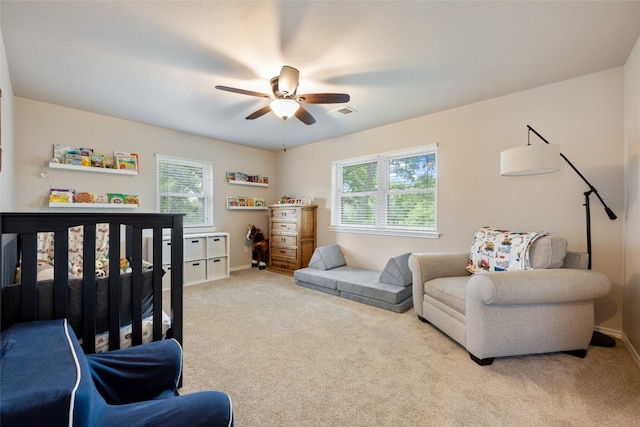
(324, 98)
(288, 80)
(304, 116)
(259, 113)
(243, 91)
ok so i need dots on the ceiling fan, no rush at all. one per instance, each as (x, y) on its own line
(285, 102)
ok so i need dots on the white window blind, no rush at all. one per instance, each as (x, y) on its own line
(389, 193)
(185, 186)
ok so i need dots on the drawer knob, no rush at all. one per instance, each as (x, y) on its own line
(282, 239)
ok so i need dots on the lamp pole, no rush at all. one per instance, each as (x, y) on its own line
(592, 189)
(598, 338)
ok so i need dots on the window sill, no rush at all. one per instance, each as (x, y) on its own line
(386, 232)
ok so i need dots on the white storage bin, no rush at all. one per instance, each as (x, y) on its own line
(216, 268)
(194, 248)
(216, 246)
(166, 251)
(166, 279)
(195, 271)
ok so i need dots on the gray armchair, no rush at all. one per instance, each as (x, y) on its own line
(510, 313)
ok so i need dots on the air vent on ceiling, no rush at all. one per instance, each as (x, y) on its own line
(342, 111)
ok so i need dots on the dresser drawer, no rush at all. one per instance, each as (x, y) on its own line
(283, 239)
(281, 263)
(283, 252)
(283, 227)
(284, 213)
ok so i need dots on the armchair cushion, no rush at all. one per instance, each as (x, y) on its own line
(327, 258)
(397, 272)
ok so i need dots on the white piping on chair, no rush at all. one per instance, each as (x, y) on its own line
(78, 374)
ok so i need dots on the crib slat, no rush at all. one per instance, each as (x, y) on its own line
(89, 288)
(136, 285)
(29, 272)
(157, 283)
(177, 247)
(61, 273)
(114, 286)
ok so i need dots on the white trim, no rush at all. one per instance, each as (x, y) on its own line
(381, 194)
(385, 231)
(632, 350)
(78, 374)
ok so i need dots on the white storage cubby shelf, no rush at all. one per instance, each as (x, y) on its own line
(206, 257)
(55, 165)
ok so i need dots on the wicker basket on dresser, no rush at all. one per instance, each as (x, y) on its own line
(292, 237)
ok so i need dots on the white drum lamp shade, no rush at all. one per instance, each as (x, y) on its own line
(530, 160)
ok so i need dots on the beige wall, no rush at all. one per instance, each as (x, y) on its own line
(40, 125)
(6, 121)
(582, 115)
(631, 307)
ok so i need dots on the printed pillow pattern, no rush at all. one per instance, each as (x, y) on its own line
(501, 250)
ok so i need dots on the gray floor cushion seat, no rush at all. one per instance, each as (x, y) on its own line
(329, 273)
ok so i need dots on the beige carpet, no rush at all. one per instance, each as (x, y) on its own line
(290, 356)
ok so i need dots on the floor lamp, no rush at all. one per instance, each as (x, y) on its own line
(539, 159)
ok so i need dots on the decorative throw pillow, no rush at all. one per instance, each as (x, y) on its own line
(397, 272)
(327, 257)
(548, 252)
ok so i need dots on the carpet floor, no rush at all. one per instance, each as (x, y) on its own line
(290, 356)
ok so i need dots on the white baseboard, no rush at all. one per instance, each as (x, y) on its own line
(240, 267)
(607, 331)
(634, 354)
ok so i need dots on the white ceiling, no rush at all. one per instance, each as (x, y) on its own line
(157, 62)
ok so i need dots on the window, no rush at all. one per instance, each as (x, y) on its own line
(185, 186)
(390, 193)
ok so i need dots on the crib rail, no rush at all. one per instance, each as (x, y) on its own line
(25, 227)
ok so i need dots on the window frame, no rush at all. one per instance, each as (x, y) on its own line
(208, 190)
(382, 193)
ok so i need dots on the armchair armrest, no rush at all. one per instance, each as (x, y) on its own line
(427, 266)
(558, 285)
(430, 266)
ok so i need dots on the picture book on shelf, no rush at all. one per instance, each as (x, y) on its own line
(127, 161)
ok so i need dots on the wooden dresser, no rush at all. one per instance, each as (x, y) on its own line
(292, 237)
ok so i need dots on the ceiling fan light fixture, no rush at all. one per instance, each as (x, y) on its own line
(284, 108)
